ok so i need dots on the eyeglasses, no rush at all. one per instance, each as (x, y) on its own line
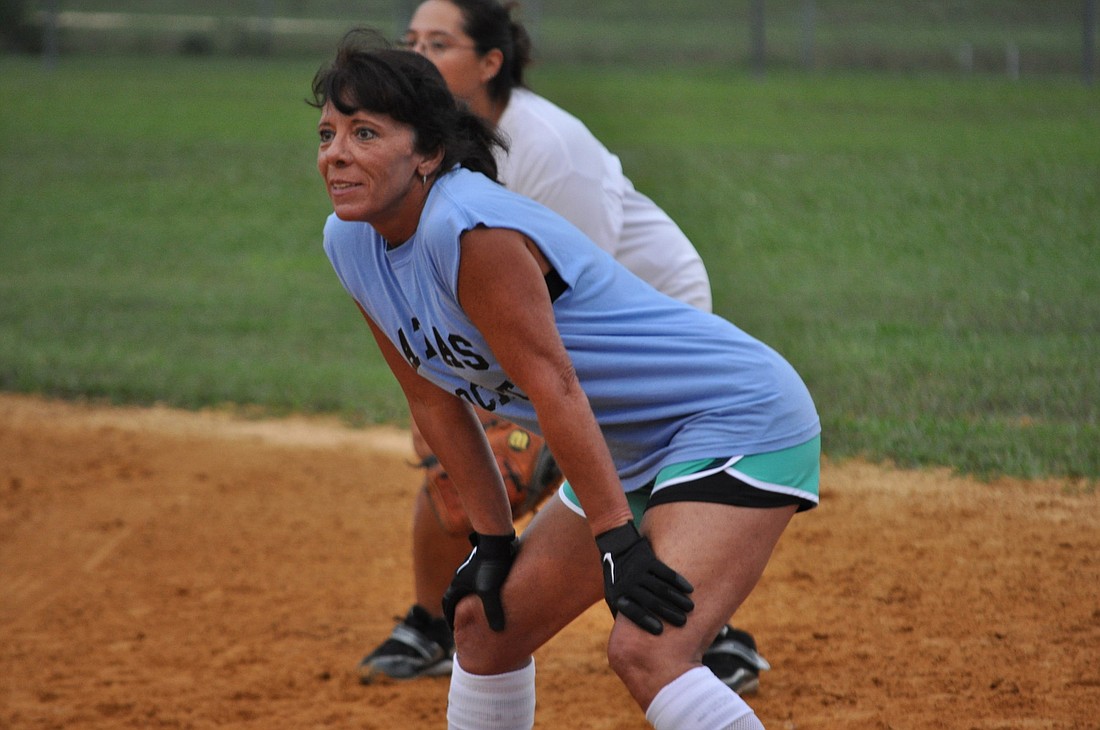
(434, 45)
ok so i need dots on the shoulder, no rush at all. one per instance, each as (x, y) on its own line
(532, 122)
(334, 226)
(461, 200)
(461, 190)
(339, 234)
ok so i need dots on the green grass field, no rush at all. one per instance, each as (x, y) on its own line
(925, 250)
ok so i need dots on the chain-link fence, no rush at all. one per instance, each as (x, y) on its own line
(1014, 37)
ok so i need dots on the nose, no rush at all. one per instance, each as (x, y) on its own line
(335, 152)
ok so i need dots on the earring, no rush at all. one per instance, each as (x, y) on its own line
(423, 179)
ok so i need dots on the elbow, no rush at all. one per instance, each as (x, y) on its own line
(568, 383)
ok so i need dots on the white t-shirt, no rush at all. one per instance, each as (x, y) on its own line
(554, 159)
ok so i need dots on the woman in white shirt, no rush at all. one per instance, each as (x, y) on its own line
(552, 157)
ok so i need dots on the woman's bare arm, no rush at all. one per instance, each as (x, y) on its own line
(453, 432)
(502, 289)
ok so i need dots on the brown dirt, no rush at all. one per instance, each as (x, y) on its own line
(166, 569)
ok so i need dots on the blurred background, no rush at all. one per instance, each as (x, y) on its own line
(1011, 37)
(901, 196)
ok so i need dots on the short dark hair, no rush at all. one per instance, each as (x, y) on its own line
(367, 73)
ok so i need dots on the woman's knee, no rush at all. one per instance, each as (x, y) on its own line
(632, 654)
(470, 628)
(482, 650)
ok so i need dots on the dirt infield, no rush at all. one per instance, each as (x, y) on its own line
(180, 570)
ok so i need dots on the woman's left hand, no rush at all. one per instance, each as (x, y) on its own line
(638, 584)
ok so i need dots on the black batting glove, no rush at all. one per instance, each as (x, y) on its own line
(483, 573)
(635, 582)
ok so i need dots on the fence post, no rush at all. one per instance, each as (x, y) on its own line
(757, 34)
(1088, 45)
(966, 57)
(809, 29)
(402, 13)
(51, 47)
(532, 21)
(1012, 61)
(267, 27)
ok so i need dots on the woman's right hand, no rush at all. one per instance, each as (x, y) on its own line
(483, 574)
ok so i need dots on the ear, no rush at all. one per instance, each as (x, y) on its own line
(490, 64)
(430, 164)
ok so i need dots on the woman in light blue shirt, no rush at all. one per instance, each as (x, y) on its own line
(687, 444)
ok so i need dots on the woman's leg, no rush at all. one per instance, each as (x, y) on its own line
(722, 550)
(555, 578)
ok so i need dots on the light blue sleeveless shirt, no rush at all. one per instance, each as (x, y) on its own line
(667, 382)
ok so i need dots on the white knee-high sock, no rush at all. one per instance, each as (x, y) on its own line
(491, 701)
(697, 700)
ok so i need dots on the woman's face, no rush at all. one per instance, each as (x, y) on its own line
(372, 171)
(436, 32)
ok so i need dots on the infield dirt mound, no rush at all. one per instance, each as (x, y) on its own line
(183, 570)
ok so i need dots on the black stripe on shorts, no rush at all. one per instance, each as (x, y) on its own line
(722, 488)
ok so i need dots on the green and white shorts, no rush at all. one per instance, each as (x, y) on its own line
(772, 479)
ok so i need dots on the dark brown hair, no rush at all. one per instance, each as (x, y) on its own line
(370, 75)
(489, 23)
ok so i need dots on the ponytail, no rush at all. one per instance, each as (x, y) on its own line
(473, 145)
